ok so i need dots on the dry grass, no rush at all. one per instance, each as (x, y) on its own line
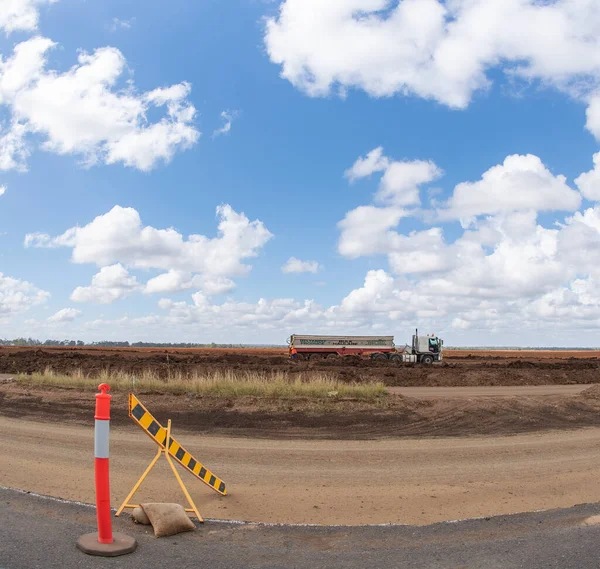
(228, 384)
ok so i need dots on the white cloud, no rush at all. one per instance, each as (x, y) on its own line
(589, 182)
(118, 24)
(460, 323)
(367, 230)
(13, 149)
(119, 237)
(18, 296)
(520, 183)
(196, 261)
(434, 49)
(374, 161)
(400, 184)
(214, 285)
(504, 257)
(171, 281)
(378, 286)
(65, 315)
(420, 252)
(109, 284)
(593, 116)
(401, 180)
(2, 190)
(87, 112)
(176, 281)
(294, 265)
(20, 15)
(228, 118)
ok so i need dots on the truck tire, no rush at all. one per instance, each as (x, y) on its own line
(332, 356)
(378, 356)
(395, 358)
(315, 357)
(427, 359)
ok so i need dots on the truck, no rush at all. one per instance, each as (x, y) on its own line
(424, 349)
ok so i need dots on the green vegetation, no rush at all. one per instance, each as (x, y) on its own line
(227, 384)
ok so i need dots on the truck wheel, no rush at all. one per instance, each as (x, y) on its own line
(396, 358)
(315, 357)
(427, 360)
(379, 356)
(332, 356)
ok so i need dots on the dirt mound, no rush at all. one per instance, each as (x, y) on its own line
(471, 370)
(290, 419)
(591, 393)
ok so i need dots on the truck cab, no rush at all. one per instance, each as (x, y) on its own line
(428, 349)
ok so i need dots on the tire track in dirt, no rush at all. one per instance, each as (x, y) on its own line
(410, 481)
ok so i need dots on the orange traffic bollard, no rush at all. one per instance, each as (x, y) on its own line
(104, 542)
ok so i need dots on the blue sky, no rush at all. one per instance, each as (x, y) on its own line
(311, 91)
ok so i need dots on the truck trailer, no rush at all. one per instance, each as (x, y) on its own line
(424, 349)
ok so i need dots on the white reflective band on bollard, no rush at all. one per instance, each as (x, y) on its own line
(101, 439)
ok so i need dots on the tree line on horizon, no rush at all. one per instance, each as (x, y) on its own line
(33, 342)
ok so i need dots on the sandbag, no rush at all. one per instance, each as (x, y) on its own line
(168, 519)
(140, 517)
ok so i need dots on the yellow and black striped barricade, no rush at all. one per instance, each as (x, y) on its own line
(168, 446)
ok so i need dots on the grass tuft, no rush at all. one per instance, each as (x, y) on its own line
(226, 384)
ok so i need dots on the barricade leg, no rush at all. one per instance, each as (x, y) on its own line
(187, 494)
(126, 503)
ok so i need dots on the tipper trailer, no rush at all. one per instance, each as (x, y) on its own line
(424, 349)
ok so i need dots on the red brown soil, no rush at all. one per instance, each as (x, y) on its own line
(304, 419)
(465, 368)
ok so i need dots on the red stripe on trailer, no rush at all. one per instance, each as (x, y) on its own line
(342, 351)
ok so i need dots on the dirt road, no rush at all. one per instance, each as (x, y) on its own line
(323, 482)
(488, 391)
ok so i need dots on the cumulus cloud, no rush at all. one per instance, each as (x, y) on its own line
(20, 15)
(593, 116)
(13, 148)
(294, 265)
(374, 161)
(65, 315)
(228, 118)
(401, 180)
(177, 281)
(368, 230)
(18, 296)
(589, 182)
(171, 281)
(87, 111)
(504, 264)
(119, 238)
(109, 284)
(434, 49)
(2, 190)
(520, 183)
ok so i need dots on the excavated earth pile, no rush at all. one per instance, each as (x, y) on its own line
(458, 368)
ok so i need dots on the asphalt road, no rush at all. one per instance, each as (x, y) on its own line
(488, 391)
(40, 533)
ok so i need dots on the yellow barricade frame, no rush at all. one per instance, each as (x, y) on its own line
(171, 449)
